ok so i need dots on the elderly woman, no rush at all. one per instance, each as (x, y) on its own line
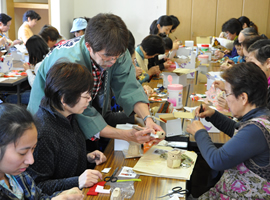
(246, 156)
(61, 157)
(259, 53)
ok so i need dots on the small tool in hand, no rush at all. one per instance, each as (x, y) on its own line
(201, 109)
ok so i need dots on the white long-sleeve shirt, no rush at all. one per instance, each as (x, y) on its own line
(31, 76)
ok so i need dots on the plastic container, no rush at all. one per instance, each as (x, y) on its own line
(175, 95)
(205, 47)
(173, 66)
(203, 58)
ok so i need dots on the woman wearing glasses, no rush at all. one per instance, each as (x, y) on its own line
(61, 157)
(246, 156)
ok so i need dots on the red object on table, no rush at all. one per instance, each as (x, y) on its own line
(92, 189)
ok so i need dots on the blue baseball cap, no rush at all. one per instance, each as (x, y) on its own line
(78, 24)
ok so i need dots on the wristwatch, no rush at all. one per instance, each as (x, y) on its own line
(147, 116)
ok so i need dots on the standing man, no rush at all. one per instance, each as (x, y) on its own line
(103, 50)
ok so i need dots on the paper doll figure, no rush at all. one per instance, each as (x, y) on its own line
(134, 149)
(160, 134)
(174, 159)
(116, 194)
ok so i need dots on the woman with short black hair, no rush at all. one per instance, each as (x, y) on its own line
(30, 19)
(61, 157)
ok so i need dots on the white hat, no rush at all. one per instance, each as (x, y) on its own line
(78, 24)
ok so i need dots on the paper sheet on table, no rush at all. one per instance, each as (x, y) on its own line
(3, 79)
(151, 164)
(21, 48)
(184, 71)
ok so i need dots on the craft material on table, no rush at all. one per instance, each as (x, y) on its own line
(151, 164)
(127, 172)
(112, 178)
(175, 190)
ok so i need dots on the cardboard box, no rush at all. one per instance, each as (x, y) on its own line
(173, 126)
(7, 65)
(203, 40)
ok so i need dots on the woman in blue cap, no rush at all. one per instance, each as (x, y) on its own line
(79, 26)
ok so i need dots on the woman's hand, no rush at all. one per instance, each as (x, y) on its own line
(26, 66)
(219, 54)
(222, 103)
(219, 84)
(207, 111)
(97, 157)
(194, 127)
(138, 71)
(154, 71)
(3, 41)
(17, 42)
(89, 177)
(71, 194)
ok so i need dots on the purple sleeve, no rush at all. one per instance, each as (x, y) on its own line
(232, 54)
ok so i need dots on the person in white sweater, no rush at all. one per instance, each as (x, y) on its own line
(37, 49)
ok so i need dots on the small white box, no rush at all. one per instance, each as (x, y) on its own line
(173, 126)
(203, 68)
(7, 65)
(189, 43)
(183, 51)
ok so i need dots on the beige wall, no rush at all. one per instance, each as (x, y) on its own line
(205, 17)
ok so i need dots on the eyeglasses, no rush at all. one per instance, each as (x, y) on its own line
(109, 60)
(88, 97)
(226, 95)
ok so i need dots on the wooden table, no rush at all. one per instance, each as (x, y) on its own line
(148, 189)
(15, 82)
(196, 85)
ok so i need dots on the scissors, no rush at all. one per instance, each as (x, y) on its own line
(175, 190)
(112, 178)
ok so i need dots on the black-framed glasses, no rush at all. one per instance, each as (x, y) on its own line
(112, 59)
(226, 95)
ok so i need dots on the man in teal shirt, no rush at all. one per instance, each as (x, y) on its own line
(103, 50)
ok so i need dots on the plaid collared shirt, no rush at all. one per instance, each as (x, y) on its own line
(98, 75)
